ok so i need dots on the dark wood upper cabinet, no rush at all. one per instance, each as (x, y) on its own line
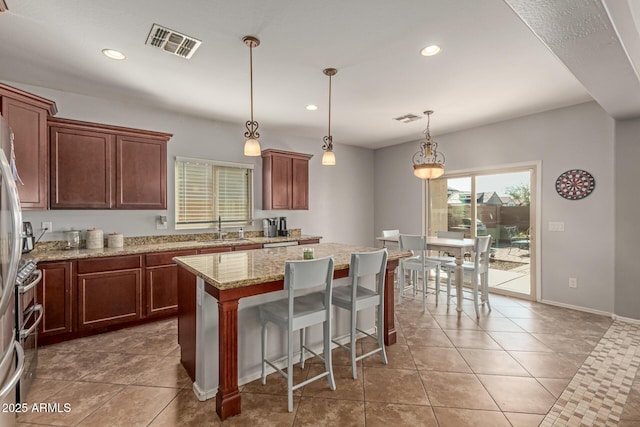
(27, 117)
(285, 180)
(82, 163)
(96, 166)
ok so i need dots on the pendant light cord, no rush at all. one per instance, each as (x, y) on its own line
(251, 76)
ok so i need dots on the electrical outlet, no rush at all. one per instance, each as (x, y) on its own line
(573, 282)
(47, 226)
(556, 226)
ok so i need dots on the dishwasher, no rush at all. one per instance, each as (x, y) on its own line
(280, 244)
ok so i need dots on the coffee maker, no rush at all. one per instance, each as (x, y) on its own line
(282, 226)
(28, 241)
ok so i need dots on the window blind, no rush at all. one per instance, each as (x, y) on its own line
(206, 190)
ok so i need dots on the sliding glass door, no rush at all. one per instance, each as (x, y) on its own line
(499, 203)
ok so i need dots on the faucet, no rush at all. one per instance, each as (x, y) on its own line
(219, 227)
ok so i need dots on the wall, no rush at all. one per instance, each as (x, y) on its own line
(341, 197)
(627, 217)
(580, 136)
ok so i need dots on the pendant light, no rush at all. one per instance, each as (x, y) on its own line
(428, 162)
(252, 145)
(328, 158)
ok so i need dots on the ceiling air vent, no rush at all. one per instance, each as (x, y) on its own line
(407, 118)
(172, 42)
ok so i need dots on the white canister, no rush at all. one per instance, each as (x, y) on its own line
(115, 240)
(95, 239)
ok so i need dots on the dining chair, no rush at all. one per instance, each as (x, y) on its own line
(416, 265)
(443, 258)
(356, 297)
(478, 269)
(298, 312)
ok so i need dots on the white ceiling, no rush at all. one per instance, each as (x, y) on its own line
(492, 66)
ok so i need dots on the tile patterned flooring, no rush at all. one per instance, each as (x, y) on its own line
(522, 364)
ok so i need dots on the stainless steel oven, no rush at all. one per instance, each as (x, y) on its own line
(28, 317)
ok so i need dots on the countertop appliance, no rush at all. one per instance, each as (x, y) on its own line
(11, 352)
(28, 240)
(282, 226)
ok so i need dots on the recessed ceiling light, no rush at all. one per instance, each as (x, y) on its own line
(311, 107)
(430, 50)
(113, 54)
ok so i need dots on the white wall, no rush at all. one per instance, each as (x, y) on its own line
(341, 197)
(574, 137)
(627, 267)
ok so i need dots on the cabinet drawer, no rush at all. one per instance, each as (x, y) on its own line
(248, 247)
(110, 263)
(166, 258)
(215, 250)
(308, 242)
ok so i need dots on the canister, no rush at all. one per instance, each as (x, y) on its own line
(115, 240)
(95, 238)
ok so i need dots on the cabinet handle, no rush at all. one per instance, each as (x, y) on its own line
(19, 369)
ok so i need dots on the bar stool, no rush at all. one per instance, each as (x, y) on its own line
(356, 297)
(296, 313)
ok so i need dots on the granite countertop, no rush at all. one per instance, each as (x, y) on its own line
(231, 270)
(54, 254)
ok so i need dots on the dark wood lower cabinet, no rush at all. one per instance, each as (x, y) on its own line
(109, 298)
(55, 293)
(161, 283)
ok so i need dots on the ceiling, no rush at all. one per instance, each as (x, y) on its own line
(495, 63)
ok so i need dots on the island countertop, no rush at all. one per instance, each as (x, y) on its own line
(239, 269)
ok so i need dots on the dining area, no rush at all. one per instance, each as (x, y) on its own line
(447, 252)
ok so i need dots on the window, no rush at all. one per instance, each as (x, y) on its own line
(207, 190)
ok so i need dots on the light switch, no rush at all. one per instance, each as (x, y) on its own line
(556, 226)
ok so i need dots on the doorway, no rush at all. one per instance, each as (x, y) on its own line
(499, 202)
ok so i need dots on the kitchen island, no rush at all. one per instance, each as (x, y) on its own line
(210, 290)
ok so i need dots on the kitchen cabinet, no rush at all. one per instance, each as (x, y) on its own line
(109, 291)
(55, 293)
(96, 166)
(27, 117)
(285, 180)
(161, 283)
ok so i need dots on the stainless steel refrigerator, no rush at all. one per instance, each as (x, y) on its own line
(11, 352)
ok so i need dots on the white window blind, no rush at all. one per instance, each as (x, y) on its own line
(207, 190)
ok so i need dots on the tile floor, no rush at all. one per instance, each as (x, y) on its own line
(509, 368)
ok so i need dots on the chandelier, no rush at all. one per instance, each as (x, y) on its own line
(328, 158)
(252, 145)
(428, 162)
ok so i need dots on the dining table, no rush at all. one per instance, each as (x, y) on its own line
(210, 289)
(455, 247)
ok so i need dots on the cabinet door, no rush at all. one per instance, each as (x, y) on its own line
(141, 176)
(300, 182)
(29, 126)
(55, 295)
(281, 183)
(82, 163)
(109, 298)
(161, 283)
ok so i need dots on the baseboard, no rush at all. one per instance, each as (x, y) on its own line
(204, 395)
(578, 308)
(626, 319)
